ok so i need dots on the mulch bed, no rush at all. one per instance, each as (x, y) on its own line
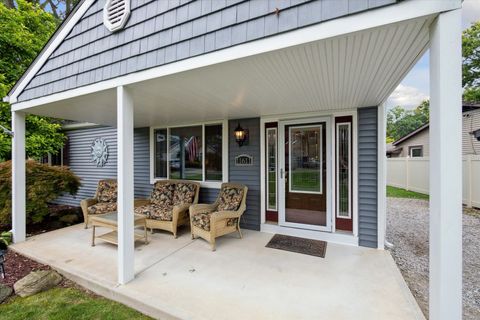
(52, 221)
(18, 266)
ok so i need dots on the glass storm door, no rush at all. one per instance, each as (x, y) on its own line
(304, 177)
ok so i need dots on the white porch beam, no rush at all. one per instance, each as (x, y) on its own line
(125, 113)
(446, 167)
(18, 177)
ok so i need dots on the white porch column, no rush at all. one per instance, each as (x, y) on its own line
(125, 186)
(18, 177)
(446, 167)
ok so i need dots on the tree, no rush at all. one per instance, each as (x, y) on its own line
(471, 56)
(59, 8)
(23, 33)
(401, 122)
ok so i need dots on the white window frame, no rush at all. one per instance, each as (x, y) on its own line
(290, 157)
(276, 171)
(337, 151)
(203, 183)
(410, 150)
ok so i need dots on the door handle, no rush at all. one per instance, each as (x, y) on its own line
(281, 173)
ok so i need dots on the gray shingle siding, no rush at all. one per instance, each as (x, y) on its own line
(367, 176)
(160, 32)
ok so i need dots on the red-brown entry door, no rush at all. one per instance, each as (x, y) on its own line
(303, 175)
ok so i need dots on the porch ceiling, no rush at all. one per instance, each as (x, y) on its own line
(354, 70)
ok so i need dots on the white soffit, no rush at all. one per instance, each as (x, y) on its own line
(354, 70)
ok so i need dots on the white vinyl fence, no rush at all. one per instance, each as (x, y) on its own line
(413, 174)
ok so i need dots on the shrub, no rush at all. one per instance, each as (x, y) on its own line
(44, 184)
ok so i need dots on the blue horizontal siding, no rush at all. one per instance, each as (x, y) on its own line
(367, 177)
(80, 163)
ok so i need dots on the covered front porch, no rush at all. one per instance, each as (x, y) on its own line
(182, 278)
(339, 68)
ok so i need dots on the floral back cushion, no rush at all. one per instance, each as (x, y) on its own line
(230, 199)
(162, 194)
(184, 193)
(107, 191)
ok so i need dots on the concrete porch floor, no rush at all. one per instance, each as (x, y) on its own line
(181, 278)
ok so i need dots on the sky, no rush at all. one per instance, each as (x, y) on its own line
(415, 87)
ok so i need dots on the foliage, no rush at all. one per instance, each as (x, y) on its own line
(23, 33)
(471, 95)
(471, 56)
(6, 237)
(66, 303)
(401, 122)
(58, 8)
(393, 192)
(44, 184)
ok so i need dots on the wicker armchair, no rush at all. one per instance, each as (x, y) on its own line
(105, 200)
(167, 208)
(210, 221)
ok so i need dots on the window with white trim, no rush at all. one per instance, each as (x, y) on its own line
(195, 152)
(416, 151)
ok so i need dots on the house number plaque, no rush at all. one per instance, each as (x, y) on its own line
(243, 160)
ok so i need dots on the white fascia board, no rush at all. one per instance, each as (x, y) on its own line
(402, 11)
(55, 42)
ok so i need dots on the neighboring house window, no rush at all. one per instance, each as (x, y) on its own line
(190, 152)
(416, 151)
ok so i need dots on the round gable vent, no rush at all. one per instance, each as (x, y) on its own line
(115, 14)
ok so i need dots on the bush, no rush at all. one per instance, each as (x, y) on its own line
(44, 184)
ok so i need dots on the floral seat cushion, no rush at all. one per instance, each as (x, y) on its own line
(156, 212)
(102, 207)
(202, 220)
(230, 199)
(162, 194)
(184, 193)
(107, 191)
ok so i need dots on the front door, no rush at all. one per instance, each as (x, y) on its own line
(304, 179)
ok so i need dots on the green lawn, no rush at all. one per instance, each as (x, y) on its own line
(306, 180)
(402, 193)
(66, 303)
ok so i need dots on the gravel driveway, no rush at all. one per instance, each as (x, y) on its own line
(407, 229)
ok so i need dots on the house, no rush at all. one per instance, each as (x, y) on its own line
(305, 81)
(416, 143)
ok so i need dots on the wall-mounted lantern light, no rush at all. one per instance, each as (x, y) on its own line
(241, 135)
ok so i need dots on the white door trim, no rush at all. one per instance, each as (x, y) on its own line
(281, 179)
(267, 227)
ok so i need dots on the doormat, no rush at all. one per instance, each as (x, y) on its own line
(299, 245)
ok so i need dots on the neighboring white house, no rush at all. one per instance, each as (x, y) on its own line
(417, 143)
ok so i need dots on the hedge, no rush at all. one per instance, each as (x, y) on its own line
(44, 184)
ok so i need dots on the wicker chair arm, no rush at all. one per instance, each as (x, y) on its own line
(85, 203)
(221, 215)
(181, 208)
(140, 202)
(201, 208)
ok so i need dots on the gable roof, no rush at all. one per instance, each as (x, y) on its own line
(84, 52)
(411, 134)
(466, 106)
